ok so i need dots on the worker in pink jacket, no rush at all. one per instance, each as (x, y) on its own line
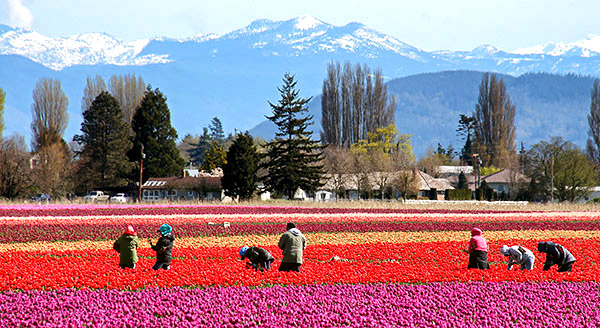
(478, 249)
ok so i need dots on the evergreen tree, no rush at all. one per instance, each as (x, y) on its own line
(293, 158)
(239, 173)
(216, 130)
(152, 128)
(199, 149)
(462, 181)
(466, 124)
(105, 142)
(215, 157)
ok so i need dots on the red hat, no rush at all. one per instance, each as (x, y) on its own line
(129, 231)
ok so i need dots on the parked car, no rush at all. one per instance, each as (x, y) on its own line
(41, 198)
(119, 198)
(96, 196)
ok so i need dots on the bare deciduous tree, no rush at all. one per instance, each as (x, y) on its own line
(93, 87)
(494, 133)
(15, 174)
(50, 115)
(593, 144)
(355, 102)
(331, 99)
(52, 169)
(2, 98)
(129, 91)
(337, 165)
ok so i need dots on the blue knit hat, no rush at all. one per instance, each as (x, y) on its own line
(243, 251)
(165, 229)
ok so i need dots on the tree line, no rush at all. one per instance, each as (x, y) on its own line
(126, 120)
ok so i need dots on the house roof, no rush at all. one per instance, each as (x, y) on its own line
(504, 176)
(427, 182)
(182, 182)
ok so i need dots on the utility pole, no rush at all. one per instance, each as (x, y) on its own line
(141, 174)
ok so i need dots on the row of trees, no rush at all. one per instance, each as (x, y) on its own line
(555, 168)
(354, 103)
(109, 149)
(107, 152)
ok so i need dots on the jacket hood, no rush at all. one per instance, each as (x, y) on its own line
(475, 232)
(128, 236)
(542, 246)
(169, 236)
(295, 232)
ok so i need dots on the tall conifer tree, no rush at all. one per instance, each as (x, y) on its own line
(152, 128)
(105, 142)
(293, 158)
(239, 173)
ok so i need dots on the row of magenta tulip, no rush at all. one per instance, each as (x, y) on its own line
(149, 209)
(472, 304)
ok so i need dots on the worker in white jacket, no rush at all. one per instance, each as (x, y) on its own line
(518, 255)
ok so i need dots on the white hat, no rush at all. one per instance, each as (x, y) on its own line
(504, 250)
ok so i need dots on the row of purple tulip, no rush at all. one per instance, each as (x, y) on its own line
(490, 304)
(110, 210)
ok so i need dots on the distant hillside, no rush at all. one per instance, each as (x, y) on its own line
(429, 106)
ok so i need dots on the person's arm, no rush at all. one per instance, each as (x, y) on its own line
(159, 245)
(516, 254)
(549, 262)
(117, 246)
(303, 242)
(282, 241)
(136, 242)
(510, 262)
(471, 245)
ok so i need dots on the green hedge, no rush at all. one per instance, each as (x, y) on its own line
(459, 194)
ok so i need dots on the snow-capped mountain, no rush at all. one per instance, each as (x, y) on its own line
(583, 48)
(300, 36)
(82, 49)
(233, 75)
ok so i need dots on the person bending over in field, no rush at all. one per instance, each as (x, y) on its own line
(556, 254)
(163, 247)
(259, 258)
(127, 246)
(478, 249)
(518, 255)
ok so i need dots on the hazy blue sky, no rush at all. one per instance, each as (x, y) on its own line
(426, 24)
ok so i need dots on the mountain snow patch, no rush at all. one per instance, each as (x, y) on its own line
(306, 22)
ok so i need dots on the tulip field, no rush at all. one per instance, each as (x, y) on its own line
(363, 267)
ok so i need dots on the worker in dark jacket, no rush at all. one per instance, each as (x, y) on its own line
(164, 247)
(127, 246)
(292, 243)
(556, 254)
(259, 258)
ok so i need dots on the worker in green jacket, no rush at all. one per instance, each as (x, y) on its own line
(127, 246)
(292, 243)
